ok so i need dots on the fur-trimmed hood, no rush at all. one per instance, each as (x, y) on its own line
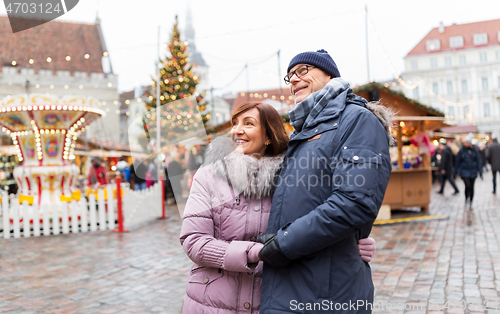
(253, 177)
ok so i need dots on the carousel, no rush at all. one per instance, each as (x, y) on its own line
(44, 129)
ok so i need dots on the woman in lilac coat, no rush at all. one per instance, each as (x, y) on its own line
(228, 207)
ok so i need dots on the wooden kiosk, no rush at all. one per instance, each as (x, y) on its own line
(410, 184)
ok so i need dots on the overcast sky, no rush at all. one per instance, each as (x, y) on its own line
(230, 34)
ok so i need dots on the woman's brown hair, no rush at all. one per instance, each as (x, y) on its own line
(271, 120)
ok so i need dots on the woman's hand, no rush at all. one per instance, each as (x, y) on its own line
(367, 249)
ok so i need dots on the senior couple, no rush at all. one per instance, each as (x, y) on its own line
(270, 234)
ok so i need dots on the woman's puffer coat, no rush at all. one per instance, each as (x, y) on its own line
(220, 223)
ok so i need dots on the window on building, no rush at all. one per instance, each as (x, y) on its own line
(498, 55)
(449, 87)
(486, 107)
(435, 88)
(483, 57)
(414, 65)
(485, 84)
(456, 41)
(415, 93)
(498, 36)
(433, 44)
(462, 60)
(466, 110)
(434, 63)
(447, 62)
(451, 111)
(480, 39)
(498, 80)
(465, 87)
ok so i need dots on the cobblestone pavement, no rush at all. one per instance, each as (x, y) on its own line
(441, 266)
(418, 265)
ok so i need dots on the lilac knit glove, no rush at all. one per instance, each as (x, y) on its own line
(253, 254)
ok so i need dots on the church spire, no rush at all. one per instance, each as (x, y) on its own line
(189, 31)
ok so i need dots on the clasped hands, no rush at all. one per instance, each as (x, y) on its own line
(272, 254)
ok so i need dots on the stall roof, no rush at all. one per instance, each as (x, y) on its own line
(374, 85)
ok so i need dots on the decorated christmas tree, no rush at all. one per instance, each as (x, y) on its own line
(182, 107)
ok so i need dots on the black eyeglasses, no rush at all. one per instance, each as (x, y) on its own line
(300, 72)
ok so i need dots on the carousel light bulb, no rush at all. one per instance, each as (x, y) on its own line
(52, 131)
(59, 107)
(42, 132)
(35, 108)
(65, 107)
(29, 108)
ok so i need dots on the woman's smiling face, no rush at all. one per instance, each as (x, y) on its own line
(248, 134)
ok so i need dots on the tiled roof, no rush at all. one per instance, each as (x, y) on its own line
(491, 27)
(262, 95)
(56, 40)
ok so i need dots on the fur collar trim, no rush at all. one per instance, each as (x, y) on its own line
(253, 177)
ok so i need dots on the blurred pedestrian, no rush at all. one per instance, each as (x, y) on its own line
(124, 168)
(481, 148)
(175, 174)
(138, 174)
(493, 158)
(446, 168)
(97, 174)
(468, 165)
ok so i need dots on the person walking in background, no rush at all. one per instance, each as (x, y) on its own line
(175, 175)
(138, 174)
(124, 168)
(493, 158)
(97, 174)
(435, 163)
(468, 165)
(481, 148)
(446, 168)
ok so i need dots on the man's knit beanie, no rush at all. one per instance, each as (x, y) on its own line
(320, 59)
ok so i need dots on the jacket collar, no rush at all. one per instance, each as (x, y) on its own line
(253, 177)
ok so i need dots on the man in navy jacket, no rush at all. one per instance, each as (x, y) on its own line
(329, 191)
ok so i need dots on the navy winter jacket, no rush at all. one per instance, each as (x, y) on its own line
(468, 163)
(330, 189)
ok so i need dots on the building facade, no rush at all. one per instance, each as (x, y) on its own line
(456, 69)
(61, 58)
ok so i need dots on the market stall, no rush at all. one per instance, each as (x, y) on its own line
(411, 178)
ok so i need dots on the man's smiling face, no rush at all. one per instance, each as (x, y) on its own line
(314, 80)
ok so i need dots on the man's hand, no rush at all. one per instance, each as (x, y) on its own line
(271, 252)
(366, 249)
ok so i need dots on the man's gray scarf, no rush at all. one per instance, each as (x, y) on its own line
(308, 109)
